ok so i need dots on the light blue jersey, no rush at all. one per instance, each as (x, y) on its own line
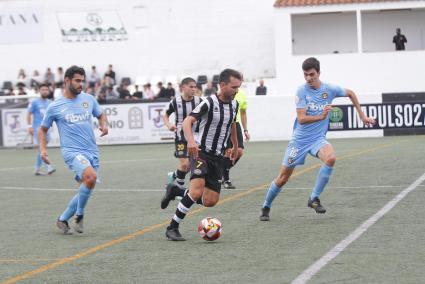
(314, 101)
(309, 138)
(38, 109)
(73, 118)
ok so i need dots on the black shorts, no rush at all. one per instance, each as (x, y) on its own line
(240, 138)
(181, 149)
(208, 167)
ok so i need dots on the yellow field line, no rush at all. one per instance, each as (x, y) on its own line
(163, 224)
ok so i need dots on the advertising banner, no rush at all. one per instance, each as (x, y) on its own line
(128, 124)
(387, 115)
(91, 26)
(21, 25)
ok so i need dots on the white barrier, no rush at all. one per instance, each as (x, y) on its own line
(128, 124)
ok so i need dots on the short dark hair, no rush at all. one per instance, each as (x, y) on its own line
(311, 62)
(71, 71)
(43, 85)
(187, 80)
(227, 73)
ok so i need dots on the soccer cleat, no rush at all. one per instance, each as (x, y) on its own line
(265, 214)
(63, 226)
(228, 185)
(170, 194)
(170, 177)
(78, 224)
(51, 171)
(315, 204)
(38, 173)
(173, 234)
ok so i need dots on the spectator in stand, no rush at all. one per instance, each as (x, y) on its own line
(198, 91)
(148, 93)
(49, 78)
(170, 91)
(21, 89)
(138, 94)
(124, 93)
(109, 76)
(101, 96)
(210, 90)
(261, 89)
(94, 78)
(59, 77)
(110, 93)
(399, 40)
(90, 91)
(22, 77)
(36, 79)
(162, 93)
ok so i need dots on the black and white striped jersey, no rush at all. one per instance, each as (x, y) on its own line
(216, 119)
(181, 109)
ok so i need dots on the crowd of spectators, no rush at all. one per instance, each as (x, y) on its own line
(105, 88)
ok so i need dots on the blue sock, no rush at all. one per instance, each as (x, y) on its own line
(271, 194)
(83, 197)
(70, 210)
(38, 161)
(321, 181)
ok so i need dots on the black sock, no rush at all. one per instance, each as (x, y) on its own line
(180, 191)
(180, 176)
(227, 166)
(181, 211)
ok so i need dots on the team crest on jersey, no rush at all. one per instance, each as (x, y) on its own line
(216, 109)
(85, 104)
(325, 95)
(179, 106)
(290, 161)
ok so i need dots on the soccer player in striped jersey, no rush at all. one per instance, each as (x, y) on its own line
(313, 102)
(217, 115)
(182, 105)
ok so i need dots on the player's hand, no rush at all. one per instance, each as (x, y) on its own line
(45, 157)
(172, 128)
(103, 130)
(369, 121)
(192, 149)
(247, 135)
(326, 111)
(31, 130)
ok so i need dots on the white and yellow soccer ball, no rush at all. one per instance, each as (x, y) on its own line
(210, 228)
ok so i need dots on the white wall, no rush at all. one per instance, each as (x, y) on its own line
(362, 72)
(164, 38)
(379, 28)
(324, 33)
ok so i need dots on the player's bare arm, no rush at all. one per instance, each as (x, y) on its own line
(366, 120)
(244, 121)
(234, 139)
(42, 141)
(167, 123)
(303, 118)
(192, 147)
(103, 124)
(29, 122)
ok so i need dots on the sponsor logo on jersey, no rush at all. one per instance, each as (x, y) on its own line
(74, 118)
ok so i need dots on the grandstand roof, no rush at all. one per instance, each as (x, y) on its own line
(291, 3)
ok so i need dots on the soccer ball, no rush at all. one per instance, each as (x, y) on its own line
(209, 228)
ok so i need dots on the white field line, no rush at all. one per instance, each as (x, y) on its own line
(161, 190)
(307, 274)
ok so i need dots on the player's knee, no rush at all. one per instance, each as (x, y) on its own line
(89, 179)
(209, 202)
(330, 160)
(185, 166)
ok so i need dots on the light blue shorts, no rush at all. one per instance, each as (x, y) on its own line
(296, 152)
(80, 163)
